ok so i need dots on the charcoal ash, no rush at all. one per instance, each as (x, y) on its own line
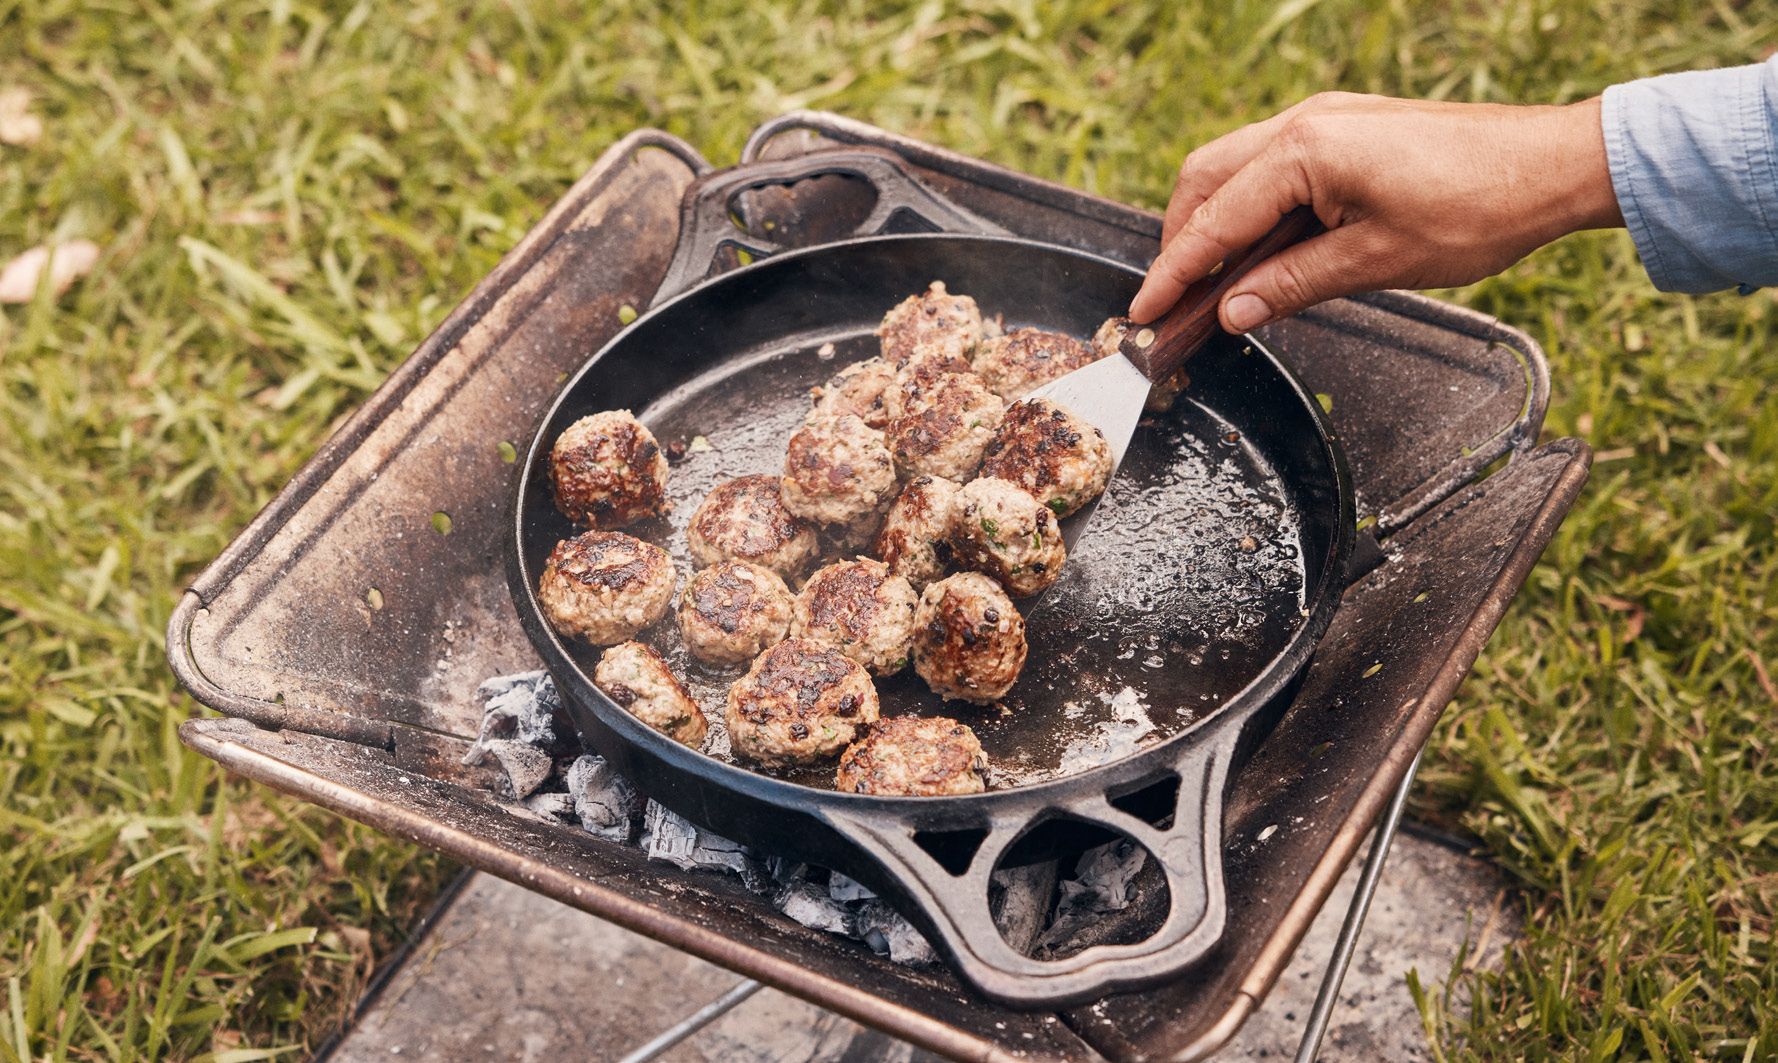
(666, 835)
(1104, 882)
(809, 903)
(524, 732)
(604, 802)
(888, 933)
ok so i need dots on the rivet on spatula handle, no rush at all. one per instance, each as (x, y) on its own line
(1162, 346)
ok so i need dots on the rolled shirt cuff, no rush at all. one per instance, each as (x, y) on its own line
(1694, 165)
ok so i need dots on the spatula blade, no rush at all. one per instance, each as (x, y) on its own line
(1107, 394)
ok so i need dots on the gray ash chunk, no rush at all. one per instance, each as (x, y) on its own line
(602, 800)
(1104, 882)
(845, 890)
(526, 767)
(809, 904)
(523, 707)
(558, 807)
(671, 837)
(887, 932)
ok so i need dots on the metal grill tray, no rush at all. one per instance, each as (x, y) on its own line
(366, 710)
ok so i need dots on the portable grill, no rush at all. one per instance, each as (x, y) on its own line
(367, 704)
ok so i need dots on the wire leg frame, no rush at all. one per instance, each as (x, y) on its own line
(1310, 1046)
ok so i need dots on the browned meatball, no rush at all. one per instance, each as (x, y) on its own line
(914, 756)
(838, 471)
(607, 472)
(1161, 396)
(605, 586)
(934, 319)
(914, 381)
(799, 703)
(915, 538)
(730, 612)
(969, 641)
(1025, 359)
(1002, 531)
(1062, 460)
(744, 519)
(861, 609)
(946, 434)
(860, 389)
(635, 676)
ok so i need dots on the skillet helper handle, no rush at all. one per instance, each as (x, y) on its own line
(1160, 348)
(708, 213)
(952, 908)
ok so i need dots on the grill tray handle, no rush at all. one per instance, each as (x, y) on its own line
(952, 908)
(707, 214)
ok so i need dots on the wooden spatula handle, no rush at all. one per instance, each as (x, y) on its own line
(1163, 346)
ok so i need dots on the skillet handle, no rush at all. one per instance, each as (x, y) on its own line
(1160, 348)
(708, 213)
(952, 907)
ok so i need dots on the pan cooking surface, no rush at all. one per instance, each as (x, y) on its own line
(1186, 584)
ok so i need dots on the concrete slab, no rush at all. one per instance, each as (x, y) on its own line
(507, 974)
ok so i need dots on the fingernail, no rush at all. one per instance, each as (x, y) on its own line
(1247, 311)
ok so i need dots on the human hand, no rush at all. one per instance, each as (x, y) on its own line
(1413, 194)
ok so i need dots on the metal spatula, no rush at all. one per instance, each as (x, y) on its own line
(1110, 392)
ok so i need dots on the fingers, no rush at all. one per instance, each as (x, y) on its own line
(1208, 166)
(1241, 211)
(1341, 262)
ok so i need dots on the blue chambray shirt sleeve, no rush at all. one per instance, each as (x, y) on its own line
(1694, 164)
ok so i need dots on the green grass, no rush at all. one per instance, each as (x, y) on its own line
(291, 195)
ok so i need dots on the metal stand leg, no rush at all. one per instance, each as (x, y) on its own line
(1310, 1046)
(694, 1022)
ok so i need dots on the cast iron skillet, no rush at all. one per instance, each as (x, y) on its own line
(1197, 596)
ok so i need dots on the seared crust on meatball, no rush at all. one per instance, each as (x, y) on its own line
(606, 472)
(934, 319)
(635, 676)
(915, 379)
(605, 587)
(947, 432)
(745, 519)
(837, 470)
(1003, 531)
(860, 389)
(730, 612)
(861, 609)
(969, 641)
(1161, 396)
(914, 756)
(799, 703)
(1060, 459)
(1025, 359)
(915, 538)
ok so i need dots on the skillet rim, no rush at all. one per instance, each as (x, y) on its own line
(1322, 600)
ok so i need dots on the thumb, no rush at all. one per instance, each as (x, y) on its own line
(1314, 271)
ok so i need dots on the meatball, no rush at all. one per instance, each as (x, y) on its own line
(730, 612)
(914, 756)
(607, 472)
(744, 519)
(1161, 396)
(799, 703)
(934, 319)
(861, 609)
(837, 471)
(914, 540)
(914, 381)
(860, 389)
(1005, 532)
(636, 677)
(1060, 459)
(969, 641)
(604, 587)
(946, 433)
(1025, 359)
